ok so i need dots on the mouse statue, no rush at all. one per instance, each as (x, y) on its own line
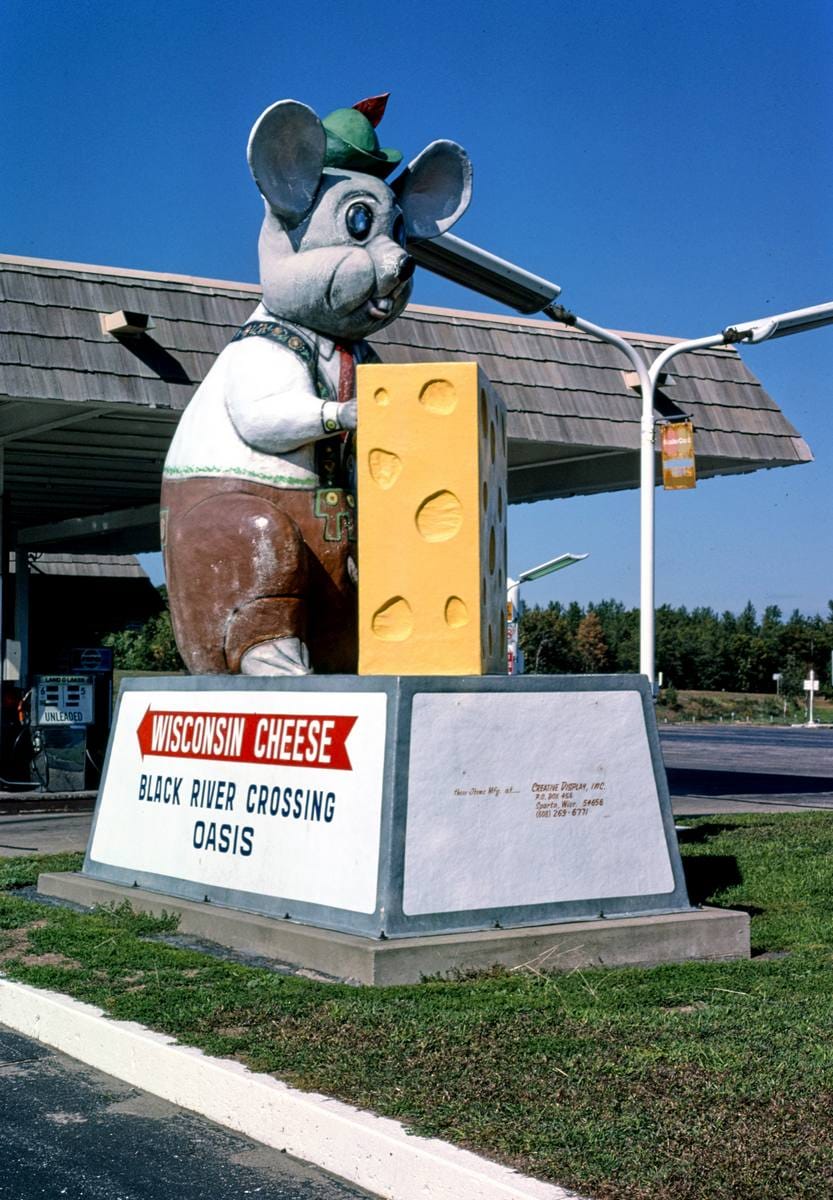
(258, 503)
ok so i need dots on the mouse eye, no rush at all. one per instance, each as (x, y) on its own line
(398, 231)
(359, 220)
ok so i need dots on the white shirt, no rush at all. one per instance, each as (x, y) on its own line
(257, 414)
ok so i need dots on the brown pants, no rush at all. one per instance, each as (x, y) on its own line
(248, 563)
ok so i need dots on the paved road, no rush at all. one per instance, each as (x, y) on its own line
(68, 1130)
(732, 768)
(780, 750)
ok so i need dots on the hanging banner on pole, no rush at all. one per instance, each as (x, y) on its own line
(677, 445)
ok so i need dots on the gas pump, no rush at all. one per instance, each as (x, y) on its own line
(97, 662)
(62, 710)
(57, 737)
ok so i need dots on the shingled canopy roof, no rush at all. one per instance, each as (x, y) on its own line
(86, 416)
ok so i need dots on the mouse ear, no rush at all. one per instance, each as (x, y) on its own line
(434, 190)
(286, 157)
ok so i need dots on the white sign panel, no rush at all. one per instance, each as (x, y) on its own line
(273, 793)
(530, 799)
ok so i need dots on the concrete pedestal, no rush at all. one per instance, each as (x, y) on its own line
(397, 809)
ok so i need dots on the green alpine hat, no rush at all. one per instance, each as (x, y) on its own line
(352, 144)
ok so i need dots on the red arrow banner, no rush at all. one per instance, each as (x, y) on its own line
(273, 739)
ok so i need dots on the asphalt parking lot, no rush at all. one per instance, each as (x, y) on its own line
(43, 833)
(69, 1130)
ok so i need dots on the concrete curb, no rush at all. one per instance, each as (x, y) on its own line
(373, 1152)
(35, 803)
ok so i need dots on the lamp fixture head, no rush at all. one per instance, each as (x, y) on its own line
(780, 325)
(477, 269)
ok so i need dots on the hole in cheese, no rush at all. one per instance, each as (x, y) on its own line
(456, 613)
(438, 396)
(439, 517)
(385, 467)
(394, 621)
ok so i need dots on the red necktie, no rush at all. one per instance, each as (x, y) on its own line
(346, 375)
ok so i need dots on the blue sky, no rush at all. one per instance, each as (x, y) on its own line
(670, 165)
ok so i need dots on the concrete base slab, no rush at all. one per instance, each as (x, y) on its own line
(707, 934)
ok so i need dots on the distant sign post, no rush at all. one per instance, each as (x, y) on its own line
(811, 686)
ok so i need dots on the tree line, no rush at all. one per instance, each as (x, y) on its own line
(697, 649)
(694, 649)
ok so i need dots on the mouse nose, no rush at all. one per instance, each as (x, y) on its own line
(407, 266)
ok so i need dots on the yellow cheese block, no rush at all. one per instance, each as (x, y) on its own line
(431, 469)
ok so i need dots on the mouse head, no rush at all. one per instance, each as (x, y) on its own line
(332, 247)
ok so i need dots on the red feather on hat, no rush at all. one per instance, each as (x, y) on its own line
(373, 107)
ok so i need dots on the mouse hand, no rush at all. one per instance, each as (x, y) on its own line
(348, 414)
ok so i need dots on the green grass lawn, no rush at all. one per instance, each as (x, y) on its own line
(758, 708)
(693, 1082)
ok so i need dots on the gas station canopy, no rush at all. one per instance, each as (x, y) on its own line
(97, 363)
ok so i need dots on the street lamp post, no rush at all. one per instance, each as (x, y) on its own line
(761, 330)
(513, 605)
(543, 642)
(483, 272)
(647, 385)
